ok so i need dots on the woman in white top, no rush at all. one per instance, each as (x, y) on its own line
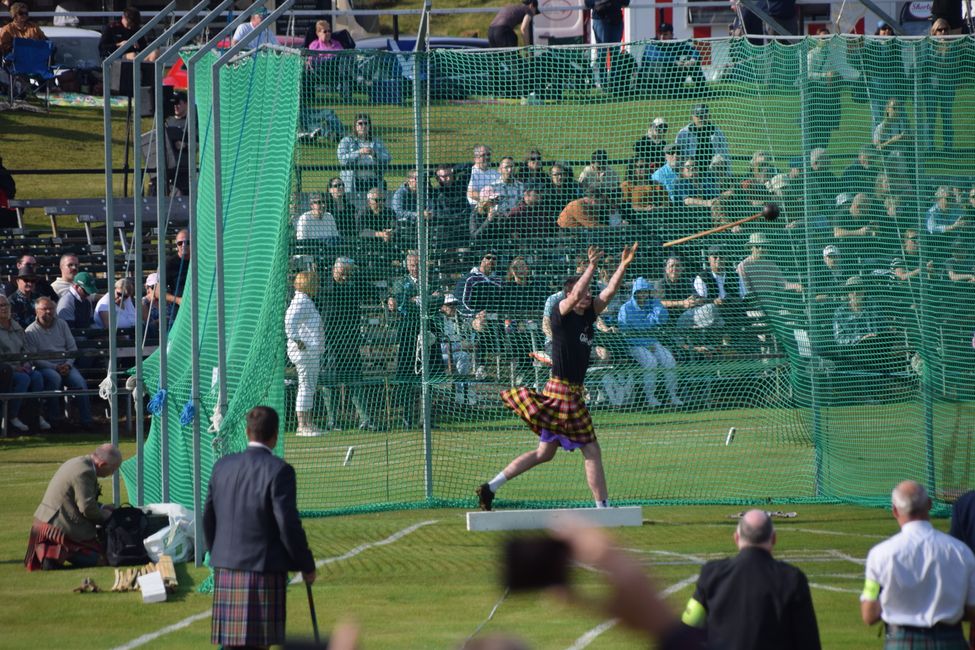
(303, 326)
(124, 306)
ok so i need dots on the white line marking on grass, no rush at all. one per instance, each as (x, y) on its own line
(817, 531)
(152, 636)
(836, 589)
(590, 636)
(849, 558)
(398, 535)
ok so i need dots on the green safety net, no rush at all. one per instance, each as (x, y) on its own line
(257, 148)
(821, 356)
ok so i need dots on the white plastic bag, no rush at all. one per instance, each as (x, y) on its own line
(175, 540)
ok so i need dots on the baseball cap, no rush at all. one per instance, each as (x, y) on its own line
(87, 281)
(757, 239)
(665, 27)
(659, 121)
(260, 11)
(152, 279)
(831, 250)
(450, 299)
(882, 24)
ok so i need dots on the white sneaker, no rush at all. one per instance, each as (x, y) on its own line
(308, 432)
(17, 424)
(44, 424)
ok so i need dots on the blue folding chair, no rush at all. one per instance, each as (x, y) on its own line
(31, 59)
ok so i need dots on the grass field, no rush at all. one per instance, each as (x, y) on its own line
(416, 578)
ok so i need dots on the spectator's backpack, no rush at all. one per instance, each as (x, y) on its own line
(124, 532)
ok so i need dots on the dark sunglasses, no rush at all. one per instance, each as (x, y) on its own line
(181, 243)
(338, 184)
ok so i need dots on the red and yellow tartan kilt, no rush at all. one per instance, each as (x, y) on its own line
(560, 408)
(248, 608)
(47, 542)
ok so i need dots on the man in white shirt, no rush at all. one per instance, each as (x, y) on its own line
(317, 223)
(266, 37)
(920, 582)
(481, 173)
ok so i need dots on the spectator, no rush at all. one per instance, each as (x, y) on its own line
(324, 43)
(363, 157)
(718, 304)
(8, 192)
(480, 290)
(667, 175)
(317, 224)
(753, 600)
(115, 36)
(600, 176)
(266, 37)
(40, 287)
(822, 184)
(75, 307)
(701, 139)
(945, 215)
(20, 27)
(489, 225)
(692, 189)
(959, 267)
(650, 147)
(856, 322)
(405, 301)
(23, 377)
(591, 211)
(671, 64)
(456, 347)
(963, 519)
(22, 300)
(760, 275)
(607, 19)
(69, 269)
(531, 221)
(481, 173)
(177, 270)
(501, 32)
(938, 77)
(508, 188)
(450, 209)
(892, 138)
(523, 292)
(823, 105)
(921, 582)
(755, 188)
(48, 333)
(176, 132)
(150, 306)
(404, 201)
(124, 297)
(881, 54)
(951, 12)
(562, 189)
(637, 319)
(378, 234)
(342, 334)
(640, 194)
(857, 225)
(676, 292)
(861, 175)
(532, 175)
(338, 204)
(303, 327)
(66, 521)
(829, 281)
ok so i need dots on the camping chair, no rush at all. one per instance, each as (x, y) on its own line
(32, 59)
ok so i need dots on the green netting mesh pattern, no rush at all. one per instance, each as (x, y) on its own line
(257, 150)
(839, 347)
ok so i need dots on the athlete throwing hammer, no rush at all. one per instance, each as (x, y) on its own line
(558, 415)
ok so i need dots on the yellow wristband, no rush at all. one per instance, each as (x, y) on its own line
(871, 590)
(694, 614)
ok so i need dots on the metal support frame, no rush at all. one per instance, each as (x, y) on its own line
(895, 24)
(162, 213)
(110, 254)
(753, 7)
(194, 277)
(159, 118)
(421, 80)
(228, 56)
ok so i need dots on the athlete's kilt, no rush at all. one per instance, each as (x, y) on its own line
(248, 608)
(560, 408)
(940, 637)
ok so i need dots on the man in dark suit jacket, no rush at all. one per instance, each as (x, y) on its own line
(753, 601)
(255, 537)
(963, 528)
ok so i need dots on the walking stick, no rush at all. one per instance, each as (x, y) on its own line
(311, 608)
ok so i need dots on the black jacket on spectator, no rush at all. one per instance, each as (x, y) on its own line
(114, 34)
(8, 191)
(478, 292)
(22, 308)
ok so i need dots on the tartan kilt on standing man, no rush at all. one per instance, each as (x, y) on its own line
(560, 409)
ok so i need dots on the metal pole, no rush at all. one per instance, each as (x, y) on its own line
(161, 222)
(110, 258)
(191, 131)
(420, 81)
(218, 198)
